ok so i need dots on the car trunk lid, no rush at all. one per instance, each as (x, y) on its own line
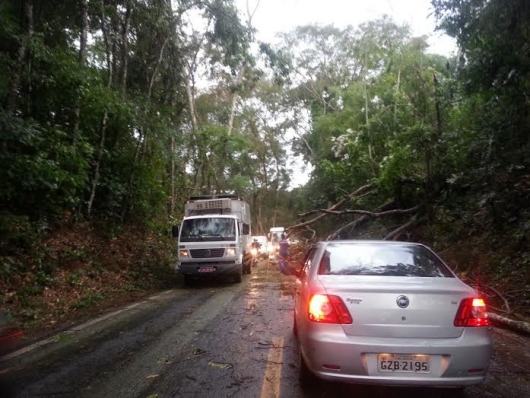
(401, 307)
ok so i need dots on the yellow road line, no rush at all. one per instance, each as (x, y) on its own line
(273, 373)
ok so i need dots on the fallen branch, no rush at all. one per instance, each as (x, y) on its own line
(506, 304)
(398, 231)
(342, 201)
(370, 213)
(352, 224)
(355, 223)
(518, 326)
(312, 231)
(507, 307)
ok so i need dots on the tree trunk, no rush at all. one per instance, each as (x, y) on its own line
(235, 98)
(518, 326)
(142, 139)
(172, 176)
(84, 31)
(98, 162)
(108, 52)
(104, 120)
(14, 86)
(82, 60)
(125, 47)
(190, 89)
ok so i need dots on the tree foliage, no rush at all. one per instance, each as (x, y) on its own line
(97, 121)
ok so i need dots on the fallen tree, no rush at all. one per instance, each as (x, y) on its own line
(518, 326)
(364, 215)
(358, 221)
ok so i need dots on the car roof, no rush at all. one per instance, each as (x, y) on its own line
(371, 242)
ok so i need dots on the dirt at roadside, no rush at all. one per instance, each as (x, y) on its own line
(78, 272)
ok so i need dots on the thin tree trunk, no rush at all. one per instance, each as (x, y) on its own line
(240, 75)
(104, 120)
(235, 98)
(84, 31)
(191, 104)
(98, 162)
(143, 132)
(82, 60)
(14, 87)
(108, 53)
(125, 47)
(172, 207)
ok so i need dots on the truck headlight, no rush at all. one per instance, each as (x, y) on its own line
(183, 253)
(230, 252)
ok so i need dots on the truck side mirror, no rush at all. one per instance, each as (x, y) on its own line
(175, 231)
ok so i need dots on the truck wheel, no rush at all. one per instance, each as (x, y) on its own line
(188, 281)
(239, 277)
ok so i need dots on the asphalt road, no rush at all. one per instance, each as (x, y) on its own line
(213, 340)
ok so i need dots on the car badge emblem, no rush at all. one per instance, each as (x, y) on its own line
(207, 253)
(354, 300)
(402, 301)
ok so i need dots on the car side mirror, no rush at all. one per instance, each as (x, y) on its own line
(175, 231)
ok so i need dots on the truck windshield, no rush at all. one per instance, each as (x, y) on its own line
(276, 236)
(208, 229)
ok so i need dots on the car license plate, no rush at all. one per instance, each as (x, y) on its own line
(403, 363)
(206, 269)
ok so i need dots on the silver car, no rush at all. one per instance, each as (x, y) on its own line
(388, 313)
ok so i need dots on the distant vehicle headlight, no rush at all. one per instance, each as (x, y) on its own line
(254, 251)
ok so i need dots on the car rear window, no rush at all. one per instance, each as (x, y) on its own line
(383, 260)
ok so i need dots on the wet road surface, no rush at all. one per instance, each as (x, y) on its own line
(216, 339)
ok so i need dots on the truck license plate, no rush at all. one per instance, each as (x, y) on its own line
(403, 363)
(206, 269)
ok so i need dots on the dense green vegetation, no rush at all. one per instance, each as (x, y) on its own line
(115, 111)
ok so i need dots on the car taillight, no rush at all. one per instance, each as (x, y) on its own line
(326, 308)
(472, 313)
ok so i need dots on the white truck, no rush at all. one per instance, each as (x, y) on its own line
(214, 238)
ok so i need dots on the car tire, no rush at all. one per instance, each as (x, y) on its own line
(239, 276)
(305, 377)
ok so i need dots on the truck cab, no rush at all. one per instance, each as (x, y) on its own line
(214, 238)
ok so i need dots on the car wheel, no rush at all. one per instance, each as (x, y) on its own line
(459, 392)
(239, 276)
(305, 376)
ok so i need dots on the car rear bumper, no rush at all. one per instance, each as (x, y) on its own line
(457, 362)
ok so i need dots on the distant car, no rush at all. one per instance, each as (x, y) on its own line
(388, 313)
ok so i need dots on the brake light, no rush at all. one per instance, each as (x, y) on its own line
(472, 313)
(325, 308)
